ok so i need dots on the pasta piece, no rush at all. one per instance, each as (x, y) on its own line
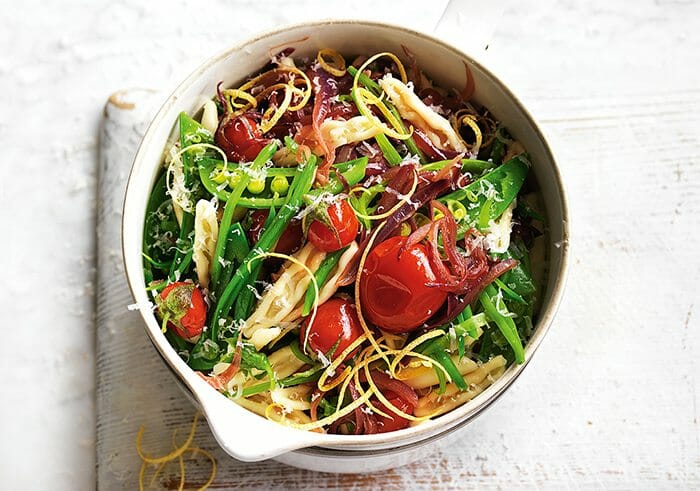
(210, 117)
(263, 326)
(435, 404)
(175, 182)
(337, 132)
(284, 362)
(257, 403)
(420, 376)
(292, 398)
(412, 109)
(262, 404)
(206, 233)
(330, 286)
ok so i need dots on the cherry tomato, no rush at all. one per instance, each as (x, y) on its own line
(183, 304)
(335, 327)
(240, 138)
(393, 288)
(345, 226)
(290, 240)
(396, 422)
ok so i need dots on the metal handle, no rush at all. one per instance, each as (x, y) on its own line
(469, 26)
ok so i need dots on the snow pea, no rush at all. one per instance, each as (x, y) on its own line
(489, 196)
(353, 171)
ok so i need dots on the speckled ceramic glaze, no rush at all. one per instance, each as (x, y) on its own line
(247, 436)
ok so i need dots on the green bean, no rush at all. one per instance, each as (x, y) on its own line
(505, 324)
(464, 326)
(441, 380)
(236, 249)
(300, 186)
(390, 153)
(508, 292)
(353, 171)
(158, 196)
(444, 359)
(321, 275)
(246, 300)
(310, 375)
(294, 346)
(265, 154)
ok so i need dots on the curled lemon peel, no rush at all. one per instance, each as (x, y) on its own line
(358, 384)
(404, 199)
(462, 118)
(212, 475)
(209, 146)
(335, 364)
(408, 349)
(337, 65)
(272, 115)
(333, 417)
(235, 94)
(335, 381)
(365, 365)
(177, 453)
(172, 455)
(384, 400)
(289, 69)
(363, 97)
(368, 98)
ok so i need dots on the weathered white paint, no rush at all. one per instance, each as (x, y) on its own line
(610, 398)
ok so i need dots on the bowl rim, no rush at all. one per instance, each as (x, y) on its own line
(460, 416)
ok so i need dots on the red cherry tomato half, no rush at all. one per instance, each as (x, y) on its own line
(335, 327)
(290, 240)
(345, 227)
(240, 138)
(393, 287)
(396, 422)
(185, 307)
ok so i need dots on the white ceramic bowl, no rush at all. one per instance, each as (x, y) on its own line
(247, 436)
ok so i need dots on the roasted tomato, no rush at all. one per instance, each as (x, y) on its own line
(339, 232)
(181, 304)
(335, 327)
(290, 240)
(396, 422)
(394, 286)
(240, 138)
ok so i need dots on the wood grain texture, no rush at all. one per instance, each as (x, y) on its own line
(610, 400)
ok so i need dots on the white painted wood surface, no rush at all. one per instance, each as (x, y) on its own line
(610, 400)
